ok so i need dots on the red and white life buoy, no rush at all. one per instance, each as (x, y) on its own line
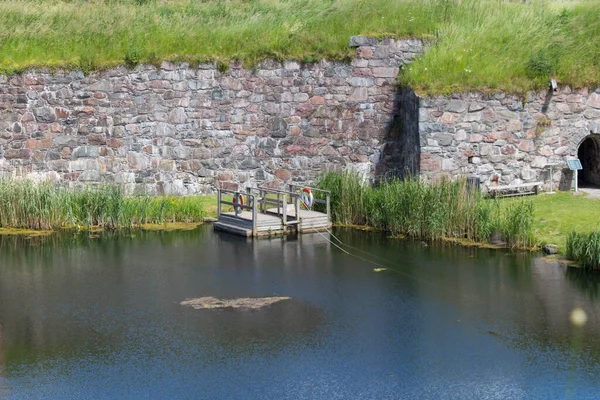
(307, 198)
(238, 198)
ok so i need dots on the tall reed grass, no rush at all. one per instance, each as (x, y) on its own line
(446, 209)
(584, 248)
(28, 205)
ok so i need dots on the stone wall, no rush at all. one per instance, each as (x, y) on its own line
(182, 130)
(506, 139)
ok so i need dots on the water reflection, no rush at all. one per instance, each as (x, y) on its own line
(586, 281)
(100, 318)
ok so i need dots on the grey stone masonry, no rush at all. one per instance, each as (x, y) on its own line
(506, 139)
(183, 130)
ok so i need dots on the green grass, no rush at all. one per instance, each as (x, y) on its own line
(100, 34)
(28, 205)
(510, 46)
(557, 215)
(475, 45)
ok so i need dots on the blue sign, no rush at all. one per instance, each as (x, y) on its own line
(574, 164)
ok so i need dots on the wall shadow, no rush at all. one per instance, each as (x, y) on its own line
(401, 150)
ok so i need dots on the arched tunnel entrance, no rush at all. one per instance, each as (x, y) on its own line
(589, 155)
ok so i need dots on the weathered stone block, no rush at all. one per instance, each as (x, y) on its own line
(385, 72)
(44, 114)
(593, 101)
(356, 41)
(177, 116)
(85, 152)
(456, 106)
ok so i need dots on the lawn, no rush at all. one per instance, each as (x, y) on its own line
(556, 215)
(487, 45)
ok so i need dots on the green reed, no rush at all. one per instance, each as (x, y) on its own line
(28, 205)
(445, 209)
(584, 248)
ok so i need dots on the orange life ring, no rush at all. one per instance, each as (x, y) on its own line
(238, 198)
(307, 198)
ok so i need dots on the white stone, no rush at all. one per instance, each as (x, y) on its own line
(539, 162)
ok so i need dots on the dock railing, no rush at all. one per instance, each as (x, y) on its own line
(251, 205)
(297, 189)
(278, 199)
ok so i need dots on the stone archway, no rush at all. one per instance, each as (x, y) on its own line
(589, 155)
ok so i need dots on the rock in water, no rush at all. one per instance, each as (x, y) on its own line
(550, 249)
(245, 302)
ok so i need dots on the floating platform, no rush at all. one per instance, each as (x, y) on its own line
(267, 212)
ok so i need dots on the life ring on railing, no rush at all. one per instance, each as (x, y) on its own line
(238, 198)
(307, 198)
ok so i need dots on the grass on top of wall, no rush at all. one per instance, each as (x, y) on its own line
(28, 205)
(103, 33)
(475, 44)
(510, 46)
(446, 209)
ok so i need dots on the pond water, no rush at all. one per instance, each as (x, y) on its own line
(101, 318)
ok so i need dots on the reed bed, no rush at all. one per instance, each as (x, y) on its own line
(446, 209)
(28, 205)
(584, 248)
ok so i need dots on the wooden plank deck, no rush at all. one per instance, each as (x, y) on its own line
(249, 222)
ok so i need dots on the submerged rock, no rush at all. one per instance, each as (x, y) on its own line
(245, 302)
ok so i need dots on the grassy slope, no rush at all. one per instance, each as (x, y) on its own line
(557, 215)
(95, 34)
(488, 44)
(512, 47)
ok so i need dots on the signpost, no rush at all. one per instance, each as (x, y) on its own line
(575, 165)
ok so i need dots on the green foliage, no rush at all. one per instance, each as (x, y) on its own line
(28, 205)
(509, 46)
(584, 248)
(132, 58)
(540, 65)
(446, 209)
(475, 44)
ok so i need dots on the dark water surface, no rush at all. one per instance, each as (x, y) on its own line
(85, 318)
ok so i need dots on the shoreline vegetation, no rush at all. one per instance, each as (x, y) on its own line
(30, 206)
(474, 45)
(446, 210)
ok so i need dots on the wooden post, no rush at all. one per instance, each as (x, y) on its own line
(327, 198)
(254, 217)
(218, 203)
(297, 208)
(284, 208)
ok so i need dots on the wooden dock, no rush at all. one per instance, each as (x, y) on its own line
(269, 212)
